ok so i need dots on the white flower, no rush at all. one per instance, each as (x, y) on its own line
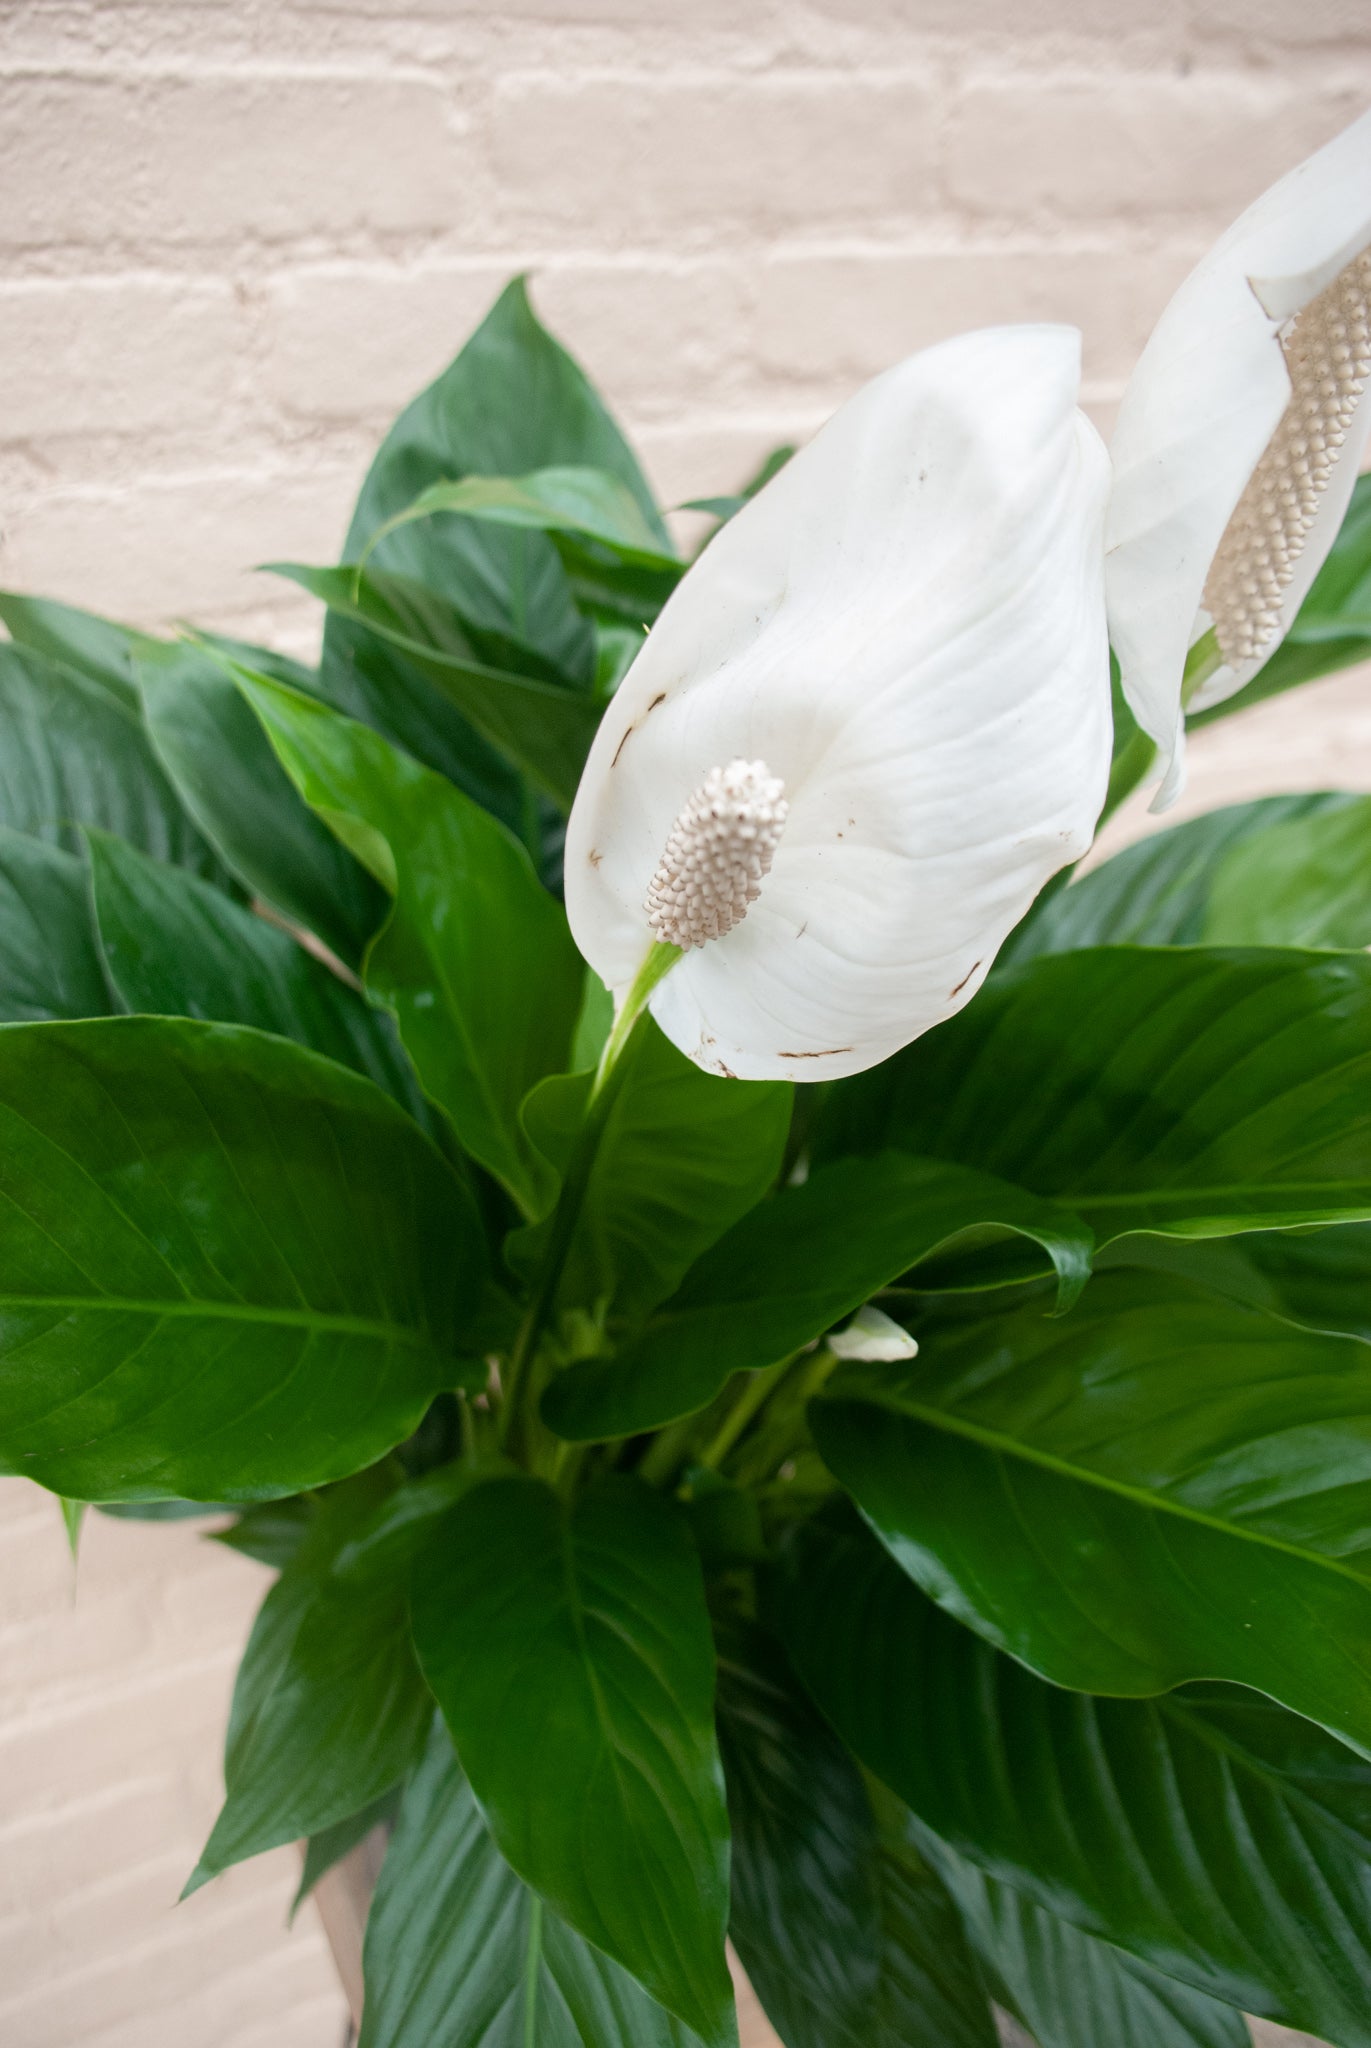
(868, 726)
(1238, 443)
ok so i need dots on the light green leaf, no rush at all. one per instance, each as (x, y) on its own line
(329, 1707)
(790, 1271)
(229, 1269)
(476, 961)
(50, 962)
(459, 1951)
(1195, 1092)
(1162, 891)
(571, 499)
(571, 1648)
(174, 947)
(1162, 1486)
(1216, 1837)
(682, 1157)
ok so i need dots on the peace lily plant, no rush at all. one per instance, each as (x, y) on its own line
(801, 1371)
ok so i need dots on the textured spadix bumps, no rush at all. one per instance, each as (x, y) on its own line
(894, 658)
(1239, 440)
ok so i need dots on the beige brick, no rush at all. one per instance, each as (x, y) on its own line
(708, 155)
(840, 317)
(193, 548)
(124, 352)
(1133, 146)
(357, 341)
(100, 161)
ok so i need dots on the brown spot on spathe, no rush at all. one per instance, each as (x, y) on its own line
(964, 980)
(831, 1053)
(595, 856)
(628, 733)
(660, 698)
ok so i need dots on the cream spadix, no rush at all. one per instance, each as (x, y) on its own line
(870, 723)
(1238, 443)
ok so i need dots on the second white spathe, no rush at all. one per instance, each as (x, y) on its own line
(1210, 391)
(905, 630)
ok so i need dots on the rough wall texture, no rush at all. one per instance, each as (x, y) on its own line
(235, 235)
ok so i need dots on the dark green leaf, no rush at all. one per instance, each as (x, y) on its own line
(460, 1954)
(78, 640)
(175, 947)
(512, 402)
(216, 753)
(476, 961)
(1192, 1091)
(571, 1649)
(1320, 1278)
(328, 1848)
(1215, 1836)
(272, 1532)
(541, 728)
(1162, 1486)
(1070, 1989)
(682, 1157)
(229, 1269)
(848, 1942)
(792, 1270)
(329, 1707)
(74, 752)
(1333, 626)
(49, 959)
(1161, 891)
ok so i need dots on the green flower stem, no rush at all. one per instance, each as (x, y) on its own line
(783, 1428)
(758, 1388)
(604, 1091)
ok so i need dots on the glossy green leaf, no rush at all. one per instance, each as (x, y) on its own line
(570, 1648)
(1162, 1486)
(50, 962)
(848, 1941)
(1215, 1836)
(542, 728)
(460, 1952)
(216, 753)
(476, 961)
(228, 1268)
(793, 1269)
(1193, 1091)
(1302, 883)
(75, 752)
(1332, 628)
(174, 947)
(1070, 1989)
(1162, 891)
(330, 1708)
(682, 1157)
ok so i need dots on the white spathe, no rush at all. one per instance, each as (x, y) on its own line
(873, 1337)
(906, 629)
(1203, 406)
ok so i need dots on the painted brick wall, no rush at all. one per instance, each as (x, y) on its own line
(235, 235)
